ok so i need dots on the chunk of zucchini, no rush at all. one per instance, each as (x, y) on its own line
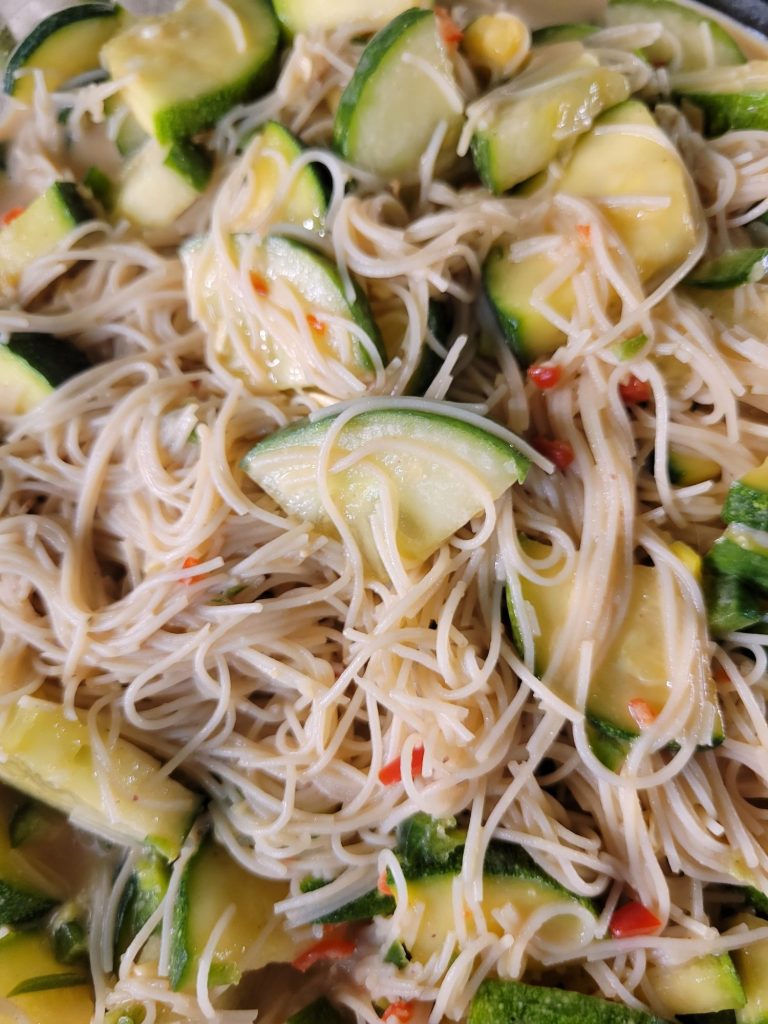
(212, 883)
(732, 605)
(431, 464)
(569, 32)
(691, 40)
(685, 468)
(752, 964)
(187, 68)
(522, 133)
(747, 499)
(511, 1002)
(39, 229)
(739, 266)
(160, 183)
(141, 898)
(401, 92)
(32, 366)
(36, 985)
(305, 203)
(308, 15)
(50, 757)
(63, 46)
(742, 552)
(705, 984)
(730, 99)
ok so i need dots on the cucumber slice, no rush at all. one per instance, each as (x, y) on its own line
(212, 882)
(31, 367)
(634, 665)
(511, 1002)
(522, 134)
(510, 287)
(730, 99)
(752, 964)
(431, 467)
(740, 266)
(700, 41)
(33, 980)
(402, 90)
(142, 896)
(63, 46)
(705, 984)
(308, 15)
(747, 499)
(160, 183)
(306, 203)
(731, 605)
(39, 229)
(685, 468)
(574, 31)
(315, 286)
(187, 68)
(49, 757)
(742, 552)
(614, 161)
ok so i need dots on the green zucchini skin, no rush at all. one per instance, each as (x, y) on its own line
(734, 268)
(512, 1002)
(53, 358)
(730, 112)
(746, 504)
(731, 604)
(730, 559)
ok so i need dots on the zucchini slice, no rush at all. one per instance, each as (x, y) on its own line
(706, 984)
(752, 964)
(187, 68)
(63, 46)
(731, 605)
(31, 367)
(39, 229)
(402, 90)
(308, 15)
(747, 499)
(25, 893)
(634, 666)
(211, 883)
(739, 266)
(685, 468)
(306, 202)
(288, 274)
(510, 1002)
(696, 42)
(160, 183)
(742, 552)
(570, 32)
(730, 98)
(142, 896)
(36, 984)
(427, 467)
(50, 757)
(521, 134)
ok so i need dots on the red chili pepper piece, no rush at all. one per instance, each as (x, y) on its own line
(189, 563)
(545, 375)
(634, 391)
(642, 712)
(450, 32)
(383, 884)
(399, 1010)
(316, 325)
(331, 947)
(392, 772)
(258, 283)
(10, 216)
(559, 452)
(633, 919)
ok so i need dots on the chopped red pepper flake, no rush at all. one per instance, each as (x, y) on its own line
(334, 946)
(392, 772)
(719, 674)
(383, 884)
(258, 283)
(559, 452)
(189, 563)
(584, 231)
(316, 325)
(642, 712)
(633, 919)
(10, 215)
(634, 391)
(450, 32)
(399, 1010)
(545, 375)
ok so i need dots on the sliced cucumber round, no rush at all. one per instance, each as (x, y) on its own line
(740, 266)
(430, 465)
(522, 134)
(308, 15)
(63, 46)
(700, 40)
(31, 367)
(187, 68)
(730, 98)
(402, 90)
(306, 202)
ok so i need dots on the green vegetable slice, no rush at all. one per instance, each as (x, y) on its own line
(512, 1002)
(187, 68)
(159, 183)
(705, 984)
(730, 98)
(740, 266)
(747, 499)
(33, 981)
(32, 366)
(308, 15)
(426, 467)
(402, 90)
